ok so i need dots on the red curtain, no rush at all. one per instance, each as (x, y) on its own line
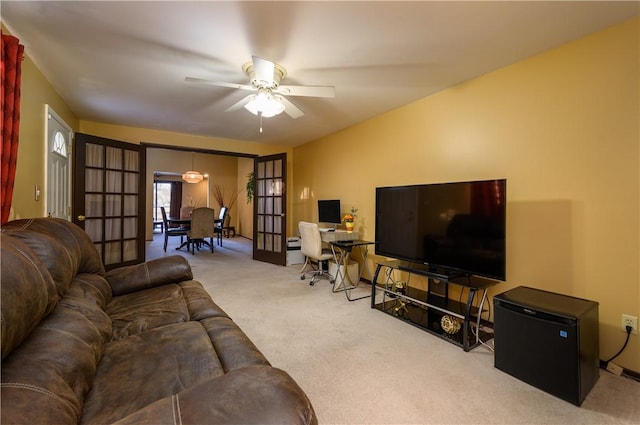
(12, 52)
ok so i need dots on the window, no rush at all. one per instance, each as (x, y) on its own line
(59, 144)
(161, 198)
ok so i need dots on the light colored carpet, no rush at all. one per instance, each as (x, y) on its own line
(361, 366)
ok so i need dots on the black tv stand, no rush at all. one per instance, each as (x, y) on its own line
(432, 310)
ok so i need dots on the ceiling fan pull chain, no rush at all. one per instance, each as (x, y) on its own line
(260, 114)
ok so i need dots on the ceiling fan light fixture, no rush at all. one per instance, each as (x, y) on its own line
(264, 103)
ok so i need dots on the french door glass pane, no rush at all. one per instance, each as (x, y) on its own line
(130, 250)
(114, 158)
(130, 205)
(130, 182)
(112, 252)
(93, 205)
(94, 156)
(114, 181)
(93, 227)
(93, 180)
(131, 161)
(129, 228)
(114, 206)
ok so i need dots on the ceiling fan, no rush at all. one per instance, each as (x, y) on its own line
(268, 98)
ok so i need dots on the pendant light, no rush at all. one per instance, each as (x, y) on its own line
(192, 176)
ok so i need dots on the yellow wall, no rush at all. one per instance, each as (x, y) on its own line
(562, 127)
(245, 209)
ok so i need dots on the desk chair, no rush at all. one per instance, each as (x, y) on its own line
(219, 224)
(312, 248)
(202, 226)
(171, 231)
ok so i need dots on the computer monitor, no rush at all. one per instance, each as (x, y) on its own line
(329, 211)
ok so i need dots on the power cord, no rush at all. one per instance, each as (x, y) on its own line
(629, 329)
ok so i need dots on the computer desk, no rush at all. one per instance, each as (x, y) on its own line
(342, 243)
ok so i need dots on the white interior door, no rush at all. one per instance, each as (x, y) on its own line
(58, 173)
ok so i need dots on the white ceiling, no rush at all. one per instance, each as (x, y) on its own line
(125, 62)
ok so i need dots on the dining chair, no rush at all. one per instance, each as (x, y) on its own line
(171, 230)
(219, 224)
(314, 250)
(202, 227)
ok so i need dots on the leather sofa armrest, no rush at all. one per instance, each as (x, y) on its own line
(161, 271)
(251, 395)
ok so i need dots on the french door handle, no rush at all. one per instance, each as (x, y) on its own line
(81, 218)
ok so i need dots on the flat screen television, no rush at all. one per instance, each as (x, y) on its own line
(329, 211)
(451, 227)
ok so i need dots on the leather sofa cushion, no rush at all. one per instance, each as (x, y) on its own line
(147, 367)
(148, 309)
(55, 256)
(235, 350)
(27, 293)
(47, 377)
(140, 311)
(79, 248)
(153, 273)
(275, 398)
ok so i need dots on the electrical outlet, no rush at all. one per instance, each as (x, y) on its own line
(630, 321)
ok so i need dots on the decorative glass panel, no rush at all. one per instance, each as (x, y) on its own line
(114, 158)
(131, 160)
(269, 171)
(260, 241)
(60, 144)
(261, 170)
(268, 241)
(94, 155)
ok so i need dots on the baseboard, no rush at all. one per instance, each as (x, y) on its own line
(630, 373)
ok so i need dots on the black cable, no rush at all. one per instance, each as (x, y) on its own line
(623, 347)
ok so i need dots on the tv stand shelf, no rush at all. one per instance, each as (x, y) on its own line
(426, 309)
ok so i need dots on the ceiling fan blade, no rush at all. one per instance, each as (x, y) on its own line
(289, 108)
(263, 71)
(239, 105)
(219, 83)
(311, 91)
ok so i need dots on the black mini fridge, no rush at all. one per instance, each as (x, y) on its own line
(547, 340)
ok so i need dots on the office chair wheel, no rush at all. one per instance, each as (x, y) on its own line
(332, 281)
(301, 277)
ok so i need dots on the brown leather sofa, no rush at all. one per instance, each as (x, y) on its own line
(143, 344)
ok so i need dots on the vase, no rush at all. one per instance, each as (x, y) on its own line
(349, 226)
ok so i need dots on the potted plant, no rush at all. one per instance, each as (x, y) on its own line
(349, 218)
